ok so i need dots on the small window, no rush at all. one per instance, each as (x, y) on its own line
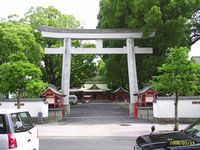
(3, 128)
(22, 121)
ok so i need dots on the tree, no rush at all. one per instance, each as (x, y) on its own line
(82, 66)
(114, 74)
(15, 37)
(195, 27)
(170, 19)
(101, 68)
(178, 76)
(20, 77)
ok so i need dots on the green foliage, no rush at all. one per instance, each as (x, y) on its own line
(19, 55)
(34, 88)
(113, 13)
(171, 20)
(20, 77)
(146, 67)
(16, 37)
(101, 68)
(116, 73)
(50, 17)
(178, 74)
(83, 68)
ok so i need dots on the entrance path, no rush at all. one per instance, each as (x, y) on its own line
(101, 113)
(101, 120)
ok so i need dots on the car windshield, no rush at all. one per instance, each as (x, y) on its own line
(194, 129)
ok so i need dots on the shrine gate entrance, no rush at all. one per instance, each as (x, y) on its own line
(99, 35)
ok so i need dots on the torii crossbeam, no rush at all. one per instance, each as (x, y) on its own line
(99, 35)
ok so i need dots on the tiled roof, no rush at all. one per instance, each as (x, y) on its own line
(52, 89)
(120, 88)
(144, 89)
(99, 87)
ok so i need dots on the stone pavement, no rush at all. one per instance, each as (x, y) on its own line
(101, 130)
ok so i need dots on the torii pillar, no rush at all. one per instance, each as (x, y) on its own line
(99, 35)
(65, 84)
(132, 73)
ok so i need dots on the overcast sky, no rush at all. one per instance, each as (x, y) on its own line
(84, 10)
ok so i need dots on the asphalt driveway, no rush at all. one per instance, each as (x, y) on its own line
(99, 109)
(101, 113)
(100, 120)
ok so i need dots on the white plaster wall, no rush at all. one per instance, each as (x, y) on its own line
(165, 109)
(32, 107)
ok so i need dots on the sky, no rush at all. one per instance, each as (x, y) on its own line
(85, 11)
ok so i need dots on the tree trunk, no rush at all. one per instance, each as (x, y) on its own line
(19, 96)
(18, 103)
(176, 128)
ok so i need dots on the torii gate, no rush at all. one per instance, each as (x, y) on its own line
(99, 35)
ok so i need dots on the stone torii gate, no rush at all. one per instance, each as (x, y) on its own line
(99, 35)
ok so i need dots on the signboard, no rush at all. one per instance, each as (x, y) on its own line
(195, 102)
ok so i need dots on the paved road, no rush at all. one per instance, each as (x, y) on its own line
(100, 120)
(104, 113)
(90, 127)
(95, 127)
(87, 143)
(99, 110)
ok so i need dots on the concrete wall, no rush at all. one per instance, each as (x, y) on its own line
(145, 113)
(32, 105)
(55, 115)
(188, 107)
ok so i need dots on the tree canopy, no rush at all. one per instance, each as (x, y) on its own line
(178, 74)
(195, 26)
(15, 37)
(171, 20)
(20, 77)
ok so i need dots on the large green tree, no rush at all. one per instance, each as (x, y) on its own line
(178, 76)
(15, 37)
(114, 74)
(53, 63)
(170, 19)
(20, 77)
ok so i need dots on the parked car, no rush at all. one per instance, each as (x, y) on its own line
(188, 139)
(17, 131)
(73, 100)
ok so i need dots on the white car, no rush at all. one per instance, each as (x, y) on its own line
(17, 131)
(73, 99)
